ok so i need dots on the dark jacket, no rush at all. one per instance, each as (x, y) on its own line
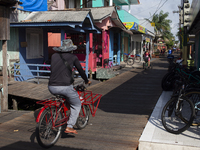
(60, 74)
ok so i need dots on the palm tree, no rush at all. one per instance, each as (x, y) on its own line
(162, 24)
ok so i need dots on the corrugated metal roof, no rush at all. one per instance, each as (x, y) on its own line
(57, 16)
(100, 13)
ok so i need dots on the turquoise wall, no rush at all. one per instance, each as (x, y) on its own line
(126, 17)
(97, 3)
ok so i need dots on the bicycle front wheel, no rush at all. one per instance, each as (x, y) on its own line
(130, 61)
(177, 116)
(194, 96)
(46, 134)
(83, 117)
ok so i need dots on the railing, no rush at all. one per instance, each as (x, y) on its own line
(23, 71)
(27, 71)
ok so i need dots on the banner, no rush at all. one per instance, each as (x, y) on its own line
(135, 26)
(131, 25)
(141, 29)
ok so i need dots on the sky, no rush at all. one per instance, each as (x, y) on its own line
(147, 8)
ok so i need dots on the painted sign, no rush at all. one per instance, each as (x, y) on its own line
(141, 29)
(131, 25)
(135, 26)
(152, 24)
(147, 39)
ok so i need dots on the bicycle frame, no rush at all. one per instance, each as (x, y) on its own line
(188, 74)
(86, 97)
(48, 103)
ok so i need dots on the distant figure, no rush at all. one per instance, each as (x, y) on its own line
(147, 57)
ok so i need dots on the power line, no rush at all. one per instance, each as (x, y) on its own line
(158, 7)
(156, 11)
(146, 9)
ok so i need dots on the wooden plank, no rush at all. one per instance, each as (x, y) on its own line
(29, 90)
(5, 77)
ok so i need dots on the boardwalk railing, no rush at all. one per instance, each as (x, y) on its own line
(23, 71)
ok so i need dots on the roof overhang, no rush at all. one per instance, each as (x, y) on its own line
(84, 24)
(121, 29)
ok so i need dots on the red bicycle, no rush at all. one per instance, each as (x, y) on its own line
(55, 114)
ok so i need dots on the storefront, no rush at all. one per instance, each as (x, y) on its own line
(193, 29)
(37, 27)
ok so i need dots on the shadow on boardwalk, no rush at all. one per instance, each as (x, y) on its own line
(127, 102)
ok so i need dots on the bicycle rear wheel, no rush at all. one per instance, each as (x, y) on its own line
(168, 81)
(46, 134)
(130, 61)
(83, 117)
(177, 116)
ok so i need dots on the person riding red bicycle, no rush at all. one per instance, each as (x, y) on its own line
(61, 81)
(147, 57)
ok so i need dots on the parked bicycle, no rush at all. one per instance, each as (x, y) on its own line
(55, 113)
(174, 74)
(182, 110)
(129, 59)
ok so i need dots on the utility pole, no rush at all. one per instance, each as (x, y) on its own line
(186, 20)
(180, 11)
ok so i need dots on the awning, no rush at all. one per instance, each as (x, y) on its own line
(127, 31)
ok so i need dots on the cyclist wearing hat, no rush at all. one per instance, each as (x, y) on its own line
(61, 80)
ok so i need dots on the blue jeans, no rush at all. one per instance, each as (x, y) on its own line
(73, 99)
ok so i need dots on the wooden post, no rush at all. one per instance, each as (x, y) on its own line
(14, 104)
(5, 77)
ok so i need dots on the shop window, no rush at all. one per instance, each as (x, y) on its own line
(34, 47)
(106, 3)
(87, 3)
(72, 3)
(137, 47)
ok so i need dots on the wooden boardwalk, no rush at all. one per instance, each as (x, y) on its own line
(29, 90)
(127, 102)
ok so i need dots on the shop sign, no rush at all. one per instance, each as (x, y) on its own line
(148, 40)
(141, 29)
(131, 25)
(153, 24)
